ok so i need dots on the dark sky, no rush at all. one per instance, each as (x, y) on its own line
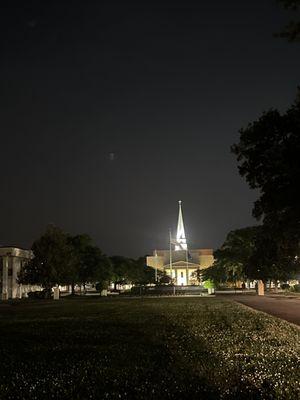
(163, 86)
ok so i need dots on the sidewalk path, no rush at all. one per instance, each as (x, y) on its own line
(284, 307)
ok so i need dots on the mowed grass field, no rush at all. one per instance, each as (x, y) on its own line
(183, 348)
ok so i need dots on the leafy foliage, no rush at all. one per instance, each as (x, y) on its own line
(290, 4)
(197, 275)
(165, 279)
(122, 270)
(292, 31)
(268, 157)
(270, 259)
(208, 284)
(232, 258)
(53, 262)
(91, 264)
(130, 271)
(60, 259)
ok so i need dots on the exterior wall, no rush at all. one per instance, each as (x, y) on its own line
(156, 262)
(181, 277)
(200, 258)
(206, 261)
(179, 274)
(11, 259)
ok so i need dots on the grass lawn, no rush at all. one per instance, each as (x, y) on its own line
(93, 348)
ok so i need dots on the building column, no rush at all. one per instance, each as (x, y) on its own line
(16, 266)
(187, 275)
(19, 293)
(5, 278)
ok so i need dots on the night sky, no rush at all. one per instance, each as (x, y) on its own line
(111, 113)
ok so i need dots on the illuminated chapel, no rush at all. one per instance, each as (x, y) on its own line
(180, 262)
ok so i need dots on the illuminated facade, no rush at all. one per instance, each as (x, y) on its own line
(11, 261)
(180, 262)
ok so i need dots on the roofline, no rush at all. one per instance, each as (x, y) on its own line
(14, 247)
(205, 252)
(186, 263)
(15, 252)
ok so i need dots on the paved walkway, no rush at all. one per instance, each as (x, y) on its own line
(284, 307)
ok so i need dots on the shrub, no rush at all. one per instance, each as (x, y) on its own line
(138, 290)
(103, 285)
(208, 284)
(297, 288)
(40, 294)
(285, 286)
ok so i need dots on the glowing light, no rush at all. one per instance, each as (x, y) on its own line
(180, 237)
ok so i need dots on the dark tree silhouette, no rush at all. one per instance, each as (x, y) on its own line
(232, 259)
(268, 158)
(92, 266)
(53, 261)
(292, 30)
(128, 270)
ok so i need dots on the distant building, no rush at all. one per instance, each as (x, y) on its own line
(180, 262)
(11, 261)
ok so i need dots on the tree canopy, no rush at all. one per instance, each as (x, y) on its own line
(91, 264)
(131, 271)
(292, 30)
(53, 261)
(272, 257)
(232, 259)
(60, 259)
(268, 158)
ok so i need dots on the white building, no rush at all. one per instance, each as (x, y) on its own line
(180, 262)
(11, 261)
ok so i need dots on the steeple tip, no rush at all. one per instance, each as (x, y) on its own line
(180, 237)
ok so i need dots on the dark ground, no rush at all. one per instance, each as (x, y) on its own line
(162, 348)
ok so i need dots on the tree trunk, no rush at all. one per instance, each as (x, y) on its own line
(48, 291)
(73, 288)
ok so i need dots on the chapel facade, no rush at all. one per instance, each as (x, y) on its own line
(182, 264)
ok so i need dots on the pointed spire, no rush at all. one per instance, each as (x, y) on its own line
(180, 237)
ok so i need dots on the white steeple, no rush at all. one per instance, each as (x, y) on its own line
(180, 237)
